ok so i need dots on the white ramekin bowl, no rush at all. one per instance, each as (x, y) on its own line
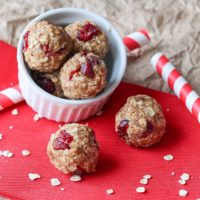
(63, 110)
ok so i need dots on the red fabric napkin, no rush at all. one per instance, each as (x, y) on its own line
(120, 167)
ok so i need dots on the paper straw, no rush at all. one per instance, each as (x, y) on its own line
(10, 96)
(177, 83)
(136, 40)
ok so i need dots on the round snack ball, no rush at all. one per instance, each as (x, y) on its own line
(88, 37)
(46, 46)
(50, 82)
(83, 76)
(73, 149)
(140, 122)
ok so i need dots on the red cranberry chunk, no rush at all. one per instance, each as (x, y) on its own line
(73, 72)
(45, 83)
(87, 32)
(25, 47)
(149, 130)
(62, 141)
(87, 69)
(122, 128)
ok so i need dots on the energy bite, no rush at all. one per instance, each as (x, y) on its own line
(73, 149)
(46, 46)
(88, 37)
(50, 82)
(140, 122)
(83, 76)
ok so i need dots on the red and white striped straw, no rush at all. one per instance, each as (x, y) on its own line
(10, 96)
(177, 83)
(136, 40)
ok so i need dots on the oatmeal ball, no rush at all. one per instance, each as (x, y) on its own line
(50, 82)
(46, 46)
(73, 149)
(83, 76)
(140, 122)
(88, 37)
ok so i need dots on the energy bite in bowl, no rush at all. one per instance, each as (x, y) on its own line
(140, 122)
(46, 46)
(73, 149)
(50, 82)
(83, 76)
(88, 37)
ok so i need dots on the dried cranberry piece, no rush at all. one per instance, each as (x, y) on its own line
(122, 128)
(149, 130)
(87, 32)
(74, 72)
(45, 83)
(62, 141)
(87, 69)
(25, 47)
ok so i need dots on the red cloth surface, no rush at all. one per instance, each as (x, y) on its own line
(120, 166)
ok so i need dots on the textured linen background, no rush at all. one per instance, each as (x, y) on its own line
(174, 26)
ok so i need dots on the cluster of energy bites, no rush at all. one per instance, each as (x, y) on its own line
(67, 62)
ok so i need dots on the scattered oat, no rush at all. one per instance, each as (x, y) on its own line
(75, 178)
(110, 191)
(144, 181)
(59, 126)
(99, 113)
(173, 173)
(6, 153)
(25, 152)
(15, 112)
(182, 182)
(37, 116)
(1, 136)
(55, 182)
(140, 189)
(148, 176)
(185, 176)
(10, 127)
(167, 109)
(11, 84)
(168, 157)
(62, 189)
(183, 193)
(33, 176)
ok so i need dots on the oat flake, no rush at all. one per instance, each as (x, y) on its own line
(75, 178)
(55, 182)
(185, 176)
(15, 112)
(110, 191)
(140, 189)
(25, 152)
(33, 176)
(183, 193)
(168, 157)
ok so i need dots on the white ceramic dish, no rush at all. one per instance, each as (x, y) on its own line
(63, 110)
